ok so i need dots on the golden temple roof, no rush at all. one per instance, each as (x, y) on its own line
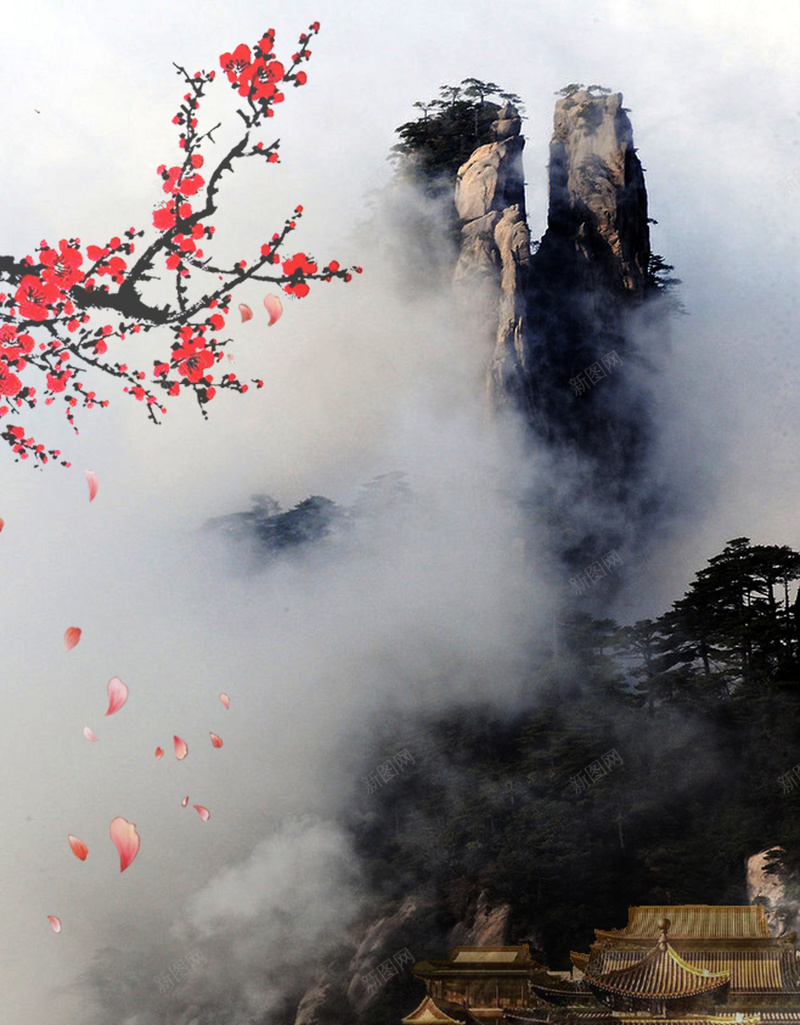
(695, 921)
(553, 980)
(662, 974)
(439, 1012)
(492, 960)
(751, 971)
(696, 1019)
(495, 955)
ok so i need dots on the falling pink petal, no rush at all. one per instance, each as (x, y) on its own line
(117, 695)
(226, 701)
(215, 740)
(185, 801)
(89, 735)
(159, 753)
(2, 522)
(79, 848)
(71, 637)
(91, 480)
(274, 308)
(125, 839)
(55, 922)
(204, 813)
(181, 750)
(246, 312)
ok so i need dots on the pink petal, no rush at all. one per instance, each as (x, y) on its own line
(71, 637)
(55, 922)
(2, 522)
(125, 839)
(226, 701)
(181, 750)
(89, 735)
(274, 308)
(159, 753)
(204, 813)
(91, 480)
(79, 848)
(215, 740)
(117, 695)
(185, 801)
(246, 312)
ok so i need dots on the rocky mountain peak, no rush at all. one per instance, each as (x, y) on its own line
(598, 201)
(508, 123)
(492, 178)
(561, 318)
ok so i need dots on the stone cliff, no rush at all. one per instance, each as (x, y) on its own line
(352, 984)
(495, 240)
(598, 203)
(776, 890)
(562, 347)
(592, 261)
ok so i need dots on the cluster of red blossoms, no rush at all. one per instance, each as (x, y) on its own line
(61, 293)
(38, 294)
(255, 79)
(255, 75)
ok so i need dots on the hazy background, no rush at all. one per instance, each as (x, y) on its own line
(425, 606)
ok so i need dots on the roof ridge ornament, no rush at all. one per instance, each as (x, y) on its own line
(663, 925)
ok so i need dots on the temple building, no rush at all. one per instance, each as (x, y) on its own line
(687, 965)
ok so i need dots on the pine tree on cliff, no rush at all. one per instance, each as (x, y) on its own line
(433, 147)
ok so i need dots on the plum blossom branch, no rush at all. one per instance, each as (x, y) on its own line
(67, 291)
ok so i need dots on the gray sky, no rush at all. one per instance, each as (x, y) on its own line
(307, 652)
